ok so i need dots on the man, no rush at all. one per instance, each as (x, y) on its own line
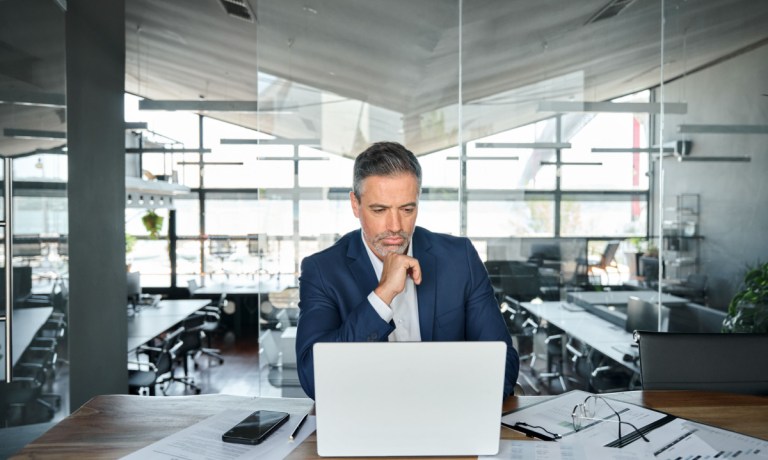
(391, 280)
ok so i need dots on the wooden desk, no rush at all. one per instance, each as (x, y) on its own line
(150, 322)
(116, 425)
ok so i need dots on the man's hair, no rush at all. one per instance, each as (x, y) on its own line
(384, 159)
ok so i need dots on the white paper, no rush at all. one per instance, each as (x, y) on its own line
(202, 441)
(545, 450)
(679, 438)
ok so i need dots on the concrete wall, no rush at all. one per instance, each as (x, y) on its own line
(734, 196)
(96, 157)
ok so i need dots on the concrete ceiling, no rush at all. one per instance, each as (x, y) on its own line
(350, 71)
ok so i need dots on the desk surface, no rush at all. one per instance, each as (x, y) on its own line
(115, 425)
(622, 297)
(602, 335)
(149, 322)
(26, 323)
(254, 288)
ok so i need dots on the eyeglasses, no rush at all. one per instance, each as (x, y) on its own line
(588, 411)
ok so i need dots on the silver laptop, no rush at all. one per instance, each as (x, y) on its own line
(408, 398)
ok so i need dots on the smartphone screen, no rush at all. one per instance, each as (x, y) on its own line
(256, 427)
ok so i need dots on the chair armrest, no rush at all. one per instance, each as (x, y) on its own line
(600, 370)
(139, 364)
(553, 337)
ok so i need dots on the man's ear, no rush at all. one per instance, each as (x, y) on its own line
(355, 204)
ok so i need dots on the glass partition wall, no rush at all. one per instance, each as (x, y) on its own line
(600, 156)
(33, 214)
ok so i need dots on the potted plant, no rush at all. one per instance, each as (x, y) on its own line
(748, 310)
(153, 223)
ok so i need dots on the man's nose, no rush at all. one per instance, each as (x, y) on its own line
(394, 223)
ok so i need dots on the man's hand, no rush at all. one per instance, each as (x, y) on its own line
(397, 267)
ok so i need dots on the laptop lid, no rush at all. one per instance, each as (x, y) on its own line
(408, 398)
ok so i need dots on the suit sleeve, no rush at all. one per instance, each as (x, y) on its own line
(484, 320)
(325, 316)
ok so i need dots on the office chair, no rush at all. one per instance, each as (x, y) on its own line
(22, 402)
(159, 366)
(211, 322)
(522, 328)
(268, 315)
(594, 372)
(555, 359)
(706, 361)
(585, 266)
(183, 343)
(494, 269)
(519, 280)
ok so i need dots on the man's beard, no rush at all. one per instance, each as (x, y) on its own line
(384, 250)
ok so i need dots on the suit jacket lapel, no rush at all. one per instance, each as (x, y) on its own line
(360, 265)
(426, 292)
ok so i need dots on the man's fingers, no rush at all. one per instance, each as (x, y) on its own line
(416, 272)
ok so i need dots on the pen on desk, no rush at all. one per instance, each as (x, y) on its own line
(298, 427)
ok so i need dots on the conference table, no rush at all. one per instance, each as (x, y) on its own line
(26, 322)
(246, 296)
(111, 426)
(149, 322)
(607, 338)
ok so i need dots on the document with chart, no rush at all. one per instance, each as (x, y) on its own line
(599, 421)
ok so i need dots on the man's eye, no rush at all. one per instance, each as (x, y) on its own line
(409, 210)
(378, 210)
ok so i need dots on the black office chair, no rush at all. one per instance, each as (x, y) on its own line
(211, 323)
(22, 402)
(157, 369)
(522, 328)
(735, 363)
(519, 280)
(555, 359)
(597, 373)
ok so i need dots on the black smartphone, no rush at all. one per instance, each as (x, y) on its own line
(256, 427)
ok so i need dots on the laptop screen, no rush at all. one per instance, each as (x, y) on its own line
(408, 398)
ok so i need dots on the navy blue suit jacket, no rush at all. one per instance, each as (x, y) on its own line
(456, 300)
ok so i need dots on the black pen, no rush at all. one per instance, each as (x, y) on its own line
(521, 427)
(298, 427)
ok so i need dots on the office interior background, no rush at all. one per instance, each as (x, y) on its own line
(552, 134)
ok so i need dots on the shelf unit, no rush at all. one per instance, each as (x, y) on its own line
(681, 236)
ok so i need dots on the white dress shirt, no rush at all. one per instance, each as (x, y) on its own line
(404, 310)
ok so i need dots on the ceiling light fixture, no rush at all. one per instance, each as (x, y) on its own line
(34, 134)
(485, 158)
(199, 105)
(632, 150)
(32, 98)
(233, 141)
(613, 107)
(523, 145)
(723, 129)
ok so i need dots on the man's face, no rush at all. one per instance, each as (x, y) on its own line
(387, 211)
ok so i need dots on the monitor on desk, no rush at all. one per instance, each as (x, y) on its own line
(644, 316)
(133, 284)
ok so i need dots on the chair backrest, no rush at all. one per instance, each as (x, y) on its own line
(609, 254)
(521, 281)
(643, 315)
(734, 363)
